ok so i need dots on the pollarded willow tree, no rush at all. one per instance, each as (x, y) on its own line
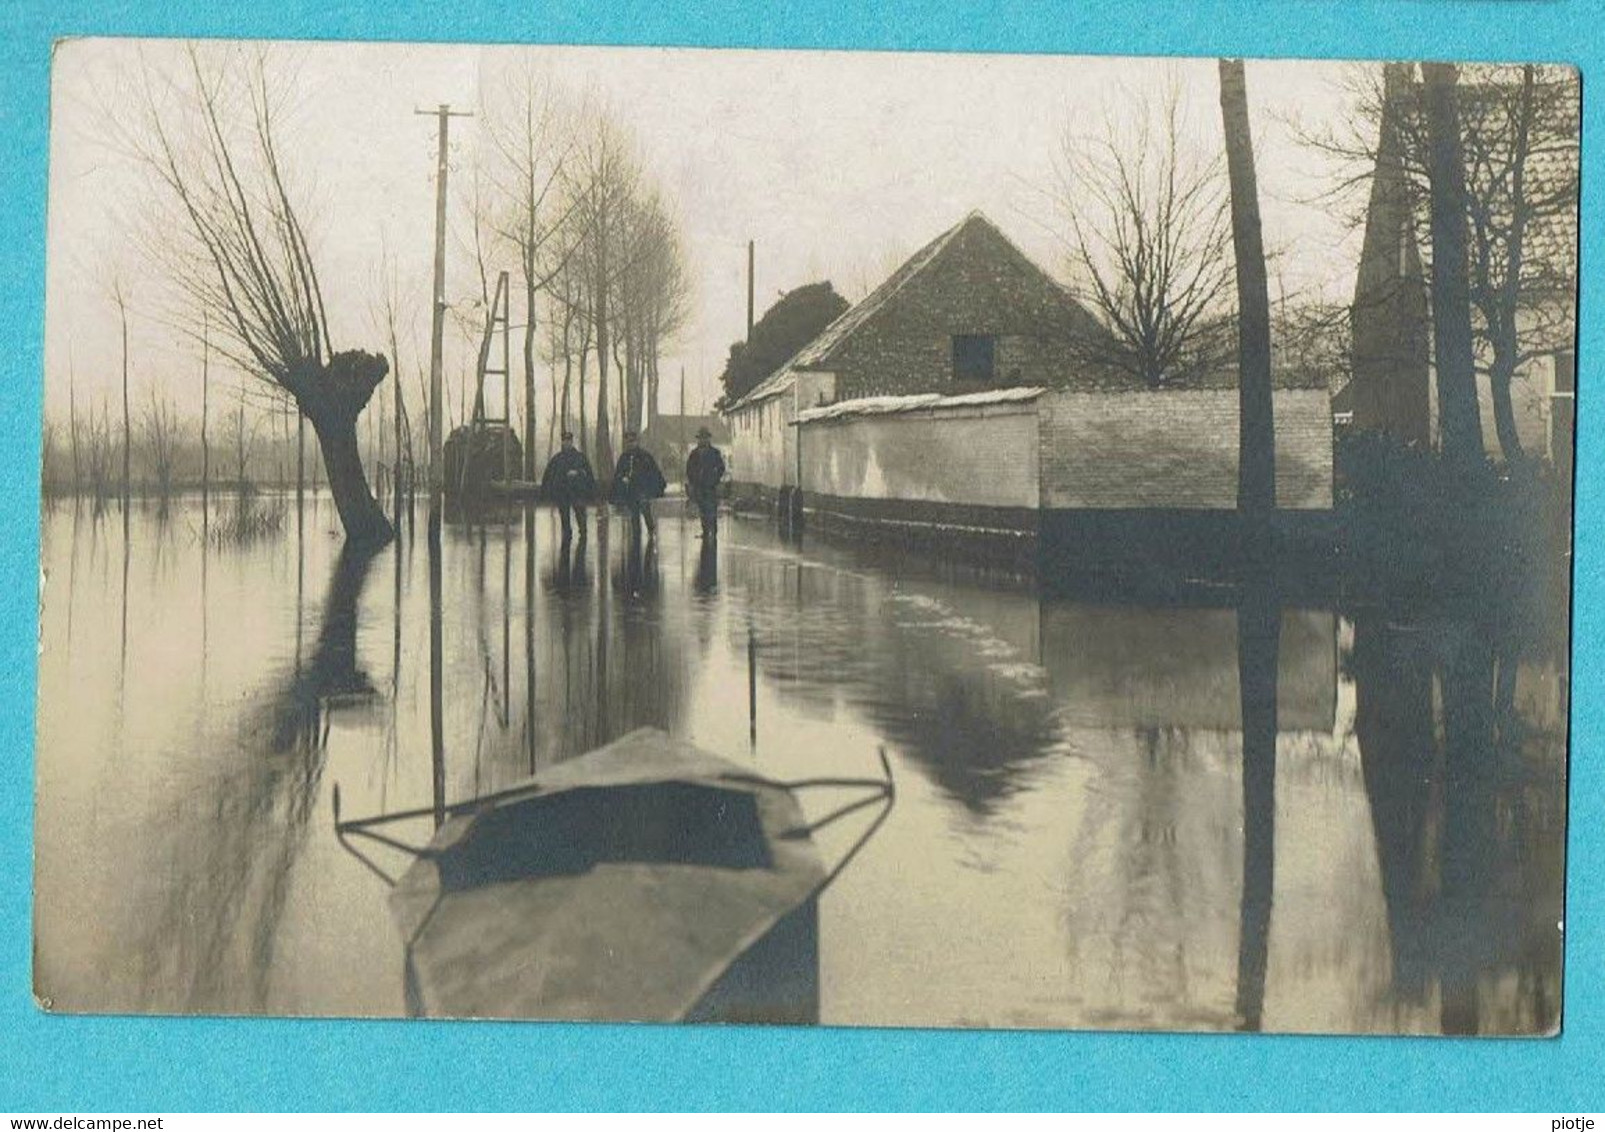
(245, 263)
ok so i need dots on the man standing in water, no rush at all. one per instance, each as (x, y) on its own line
(637, 481)
(568, 482)
(704, 468)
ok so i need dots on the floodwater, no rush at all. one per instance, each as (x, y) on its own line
(1109, 814)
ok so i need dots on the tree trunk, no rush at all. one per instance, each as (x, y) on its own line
(122, 311)
(360, 514)
(1500, 374)
(332, 402)
(583, 432)
(206, 448)
(530, 466)
(1256, 468)
(1460, 425)
(604, 441)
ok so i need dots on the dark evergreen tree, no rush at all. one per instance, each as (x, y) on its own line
(785, 328)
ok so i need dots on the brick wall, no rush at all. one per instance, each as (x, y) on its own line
(979, 284)
(1176, 449)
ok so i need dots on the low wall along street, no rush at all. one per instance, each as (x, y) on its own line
(972, 456)
(1176, 450)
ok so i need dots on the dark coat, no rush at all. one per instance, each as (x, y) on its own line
(704, 468)
(568, 477)
(637, 476)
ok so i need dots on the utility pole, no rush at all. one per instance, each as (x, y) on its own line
(443, 115)
(750, 254)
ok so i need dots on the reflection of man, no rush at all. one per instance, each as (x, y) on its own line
(637, 481)
(706, 580)
(704, 468)
(568, 482)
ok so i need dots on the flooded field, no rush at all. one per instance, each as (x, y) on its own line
(1082, 835)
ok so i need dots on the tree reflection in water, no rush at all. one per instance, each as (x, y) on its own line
(1467, 833)
(1072, 765)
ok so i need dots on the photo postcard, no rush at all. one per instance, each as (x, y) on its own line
(842, 538)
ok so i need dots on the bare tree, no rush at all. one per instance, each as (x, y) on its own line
(386, 317)
(72, 422)
(1146, 225)
(243, 438)
(1520, 142)
(601, 178)
(248, 265)
(533, 137)
(99, 451)
(161, 429)
(652, 303)
(1518, 132)
(120, 298)
(49, 457)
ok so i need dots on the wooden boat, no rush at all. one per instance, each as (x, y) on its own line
(646, 880)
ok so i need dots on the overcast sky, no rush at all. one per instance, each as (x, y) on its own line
(838, 164)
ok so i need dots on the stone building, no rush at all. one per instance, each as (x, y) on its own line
(967, 312)
(955, 404)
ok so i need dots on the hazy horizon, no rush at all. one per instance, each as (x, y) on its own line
(837, 164)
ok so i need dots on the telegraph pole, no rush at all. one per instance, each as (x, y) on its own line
(443, 115)
(437, 479)
(750, 256)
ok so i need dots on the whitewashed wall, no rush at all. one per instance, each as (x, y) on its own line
(972, 457)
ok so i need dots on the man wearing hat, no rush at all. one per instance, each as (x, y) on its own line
(568, 482)
(637, 481)
(704, 468)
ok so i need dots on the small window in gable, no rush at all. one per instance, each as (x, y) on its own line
(973, 359)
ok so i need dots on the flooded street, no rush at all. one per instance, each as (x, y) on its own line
(1082, 836)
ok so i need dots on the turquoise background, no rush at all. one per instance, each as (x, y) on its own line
(56, 1064)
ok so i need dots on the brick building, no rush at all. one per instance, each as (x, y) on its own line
(966, 313)
(955, 403)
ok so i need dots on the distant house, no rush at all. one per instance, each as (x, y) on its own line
(968, 312)
(1393, 389)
